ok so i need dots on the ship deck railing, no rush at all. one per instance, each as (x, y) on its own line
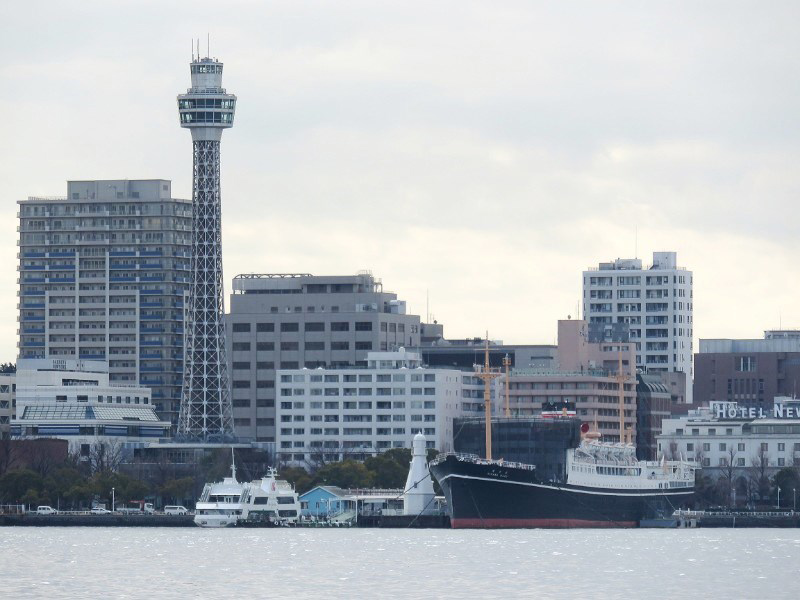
(474, 458)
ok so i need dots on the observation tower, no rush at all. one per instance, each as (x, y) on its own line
(205, 413)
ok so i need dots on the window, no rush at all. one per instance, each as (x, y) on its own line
(265, 327)
(315, 326)
(263, 346)
(363, 326)
(240, 384)
(764, 446)
(290, 327)
(746, 363)
(340, 345)
(241, 346)
(315, 346)
(706, 447)
(690, 447)
(739, 462)
(723, 447)
(781, 446)
(241, 327)
(290, 346)
(340, 326)
(241, 366)
(740, 447)
(781, 462)
(363, 345)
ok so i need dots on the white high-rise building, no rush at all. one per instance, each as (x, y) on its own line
(656, 303)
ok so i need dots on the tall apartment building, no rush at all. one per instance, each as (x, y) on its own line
(654, 301)
(750, 372)
(103, 275)
(7, 403)
(291, 321)
(328, 415)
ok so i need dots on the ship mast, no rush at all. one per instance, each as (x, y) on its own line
(621, 390)
(485, 373)
(507, 365)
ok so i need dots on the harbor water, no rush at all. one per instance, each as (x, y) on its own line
(77, 562)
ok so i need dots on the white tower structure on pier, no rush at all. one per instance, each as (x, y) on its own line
(418, 496)
(205, 412)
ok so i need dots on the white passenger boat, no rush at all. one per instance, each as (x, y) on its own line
(264, 502)
(270, 501)
(220, 504)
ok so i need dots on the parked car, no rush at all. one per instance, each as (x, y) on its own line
(46, 510)
(175, 510)
(100, 511)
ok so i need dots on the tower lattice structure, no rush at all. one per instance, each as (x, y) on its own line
(205, 413)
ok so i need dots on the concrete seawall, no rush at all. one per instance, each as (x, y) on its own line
(34, 520)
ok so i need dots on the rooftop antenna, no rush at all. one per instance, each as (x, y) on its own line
(208, 44)
(192, 50)
(636, 242)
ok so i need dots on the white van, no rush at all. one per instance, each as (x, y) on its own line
(175, 510)
(46, 510)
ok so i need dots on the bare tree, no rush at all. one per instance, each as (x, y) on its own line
(106, 456)
(759, 478)
(729, 473)
(8, 454)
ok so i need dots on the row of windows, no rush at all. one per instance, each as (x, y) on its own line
(354, 431)
(335, 405)
(362, 377)
(347, 391)
(318, 326)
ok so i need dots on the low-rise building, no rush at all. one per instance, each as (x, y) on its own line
(327, 415)
(735, 441)
(74, 400)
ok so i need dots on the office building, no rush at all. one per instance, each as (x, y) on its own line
(656, 303)
(75, 400)
(103, 275)
(206, 109)
(586, 378)
(326, 415)
(291, 321)
(653, 405)
(750, 372)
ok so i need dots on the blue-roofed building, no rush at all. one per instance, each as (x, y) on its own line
(325, 501)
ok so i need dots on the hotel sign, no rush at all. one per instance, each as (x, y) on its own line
(779, 411)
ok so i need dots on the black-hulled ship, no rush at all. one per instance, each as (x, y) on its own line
(565, 480)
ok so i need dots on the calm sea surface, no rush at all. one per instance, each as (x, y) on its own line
(52, 562)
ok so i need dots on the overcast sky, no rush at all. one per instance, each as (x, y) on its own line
(482, 152)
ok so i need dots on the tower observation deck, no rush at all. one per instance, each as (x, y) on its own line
(205, 412)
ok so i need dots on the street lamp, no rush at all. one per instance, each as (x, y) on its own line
(794, 499)
(779, 497)
(113, 508)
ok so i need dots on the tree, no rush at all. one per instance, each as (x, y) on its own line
(298, 477)
(8, 454)
(106, 456)
(760, 483)
(729, 474)
(178, 490)
(787, 481)
(389, 469)
(14, 485)
(345, 474)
